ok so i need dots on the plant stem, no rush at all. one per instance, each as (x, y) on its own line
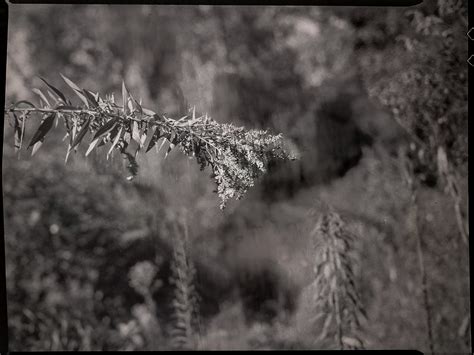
(421, 261)
(168, 122)
(407, 170)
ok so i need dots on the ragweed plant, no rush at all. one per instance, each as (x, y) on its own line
(236, 157)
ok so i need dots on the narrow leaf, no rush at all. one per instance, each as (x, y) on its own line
(93, 145)
(81, 134)
(77, 90)
(133, 147)
(138, 105)
(90, 98)
(43, 129)
(67, 154)
(56, 91)
(116, 140)
(42, 96)
(74, 131)
(23, 102)
(106, 128)
(130, 103)
(53, 97)
(135, 131)
(143, 137)
(124, 97)
(153, 136)
(162, 144)
(148, 112)
(72, 135)
(36, 146)
(170, 147)
(71, 84)
(98, 137)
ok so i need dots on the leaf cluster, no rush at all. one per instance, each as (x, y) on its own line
(236, 157)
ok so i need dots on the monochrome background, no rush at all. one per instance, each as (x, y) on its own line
(90, 255)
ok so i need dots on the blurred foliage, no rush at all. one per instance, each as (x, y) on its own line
(89, 254)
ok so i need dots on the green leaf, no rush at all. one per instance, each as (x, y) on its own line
(90, 97)
(43, 129)
(54, 97)
(93, 145)
(143, 136)
(76, 89)
(56, 91)
(74, 132)
(162, 144)
(71, 84)
(81, 134)
(116, 139)
(152, 138)
(138, 106)
(106, 128)
(170, 147)
(23, 102)
(148, 112)
(130, 103)
(135, 131)
(36, 146)
(42, 96)
(133, 147)
(172, 144)
(124, 97)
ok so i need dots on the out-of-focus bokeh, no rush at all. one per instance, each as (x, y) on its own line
(90, 255)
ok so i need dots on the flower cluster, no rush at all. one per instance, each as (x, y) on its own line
(237, 157)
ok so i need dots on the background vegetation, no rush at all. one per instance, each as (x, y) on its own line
(96, 262)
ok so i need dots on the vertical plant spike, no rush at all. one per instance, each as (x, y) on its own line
(338, 309)
(236, 157)
(184, 330)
